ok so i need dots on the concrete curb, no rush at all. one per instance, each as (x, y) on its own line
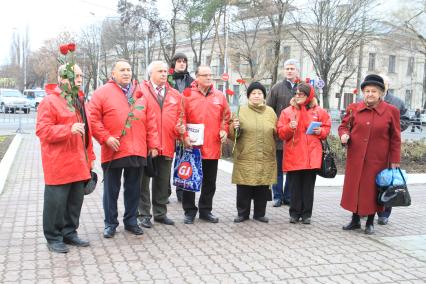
(226, 166)
(8, 159)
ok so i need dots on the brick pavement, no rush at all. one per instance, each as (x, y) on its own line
(226, 252)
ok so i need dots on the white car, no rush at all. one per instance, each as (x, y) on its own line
(12, 100)
(34, 96)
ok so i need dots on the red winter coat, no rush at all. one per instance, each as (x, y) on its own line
(374, 143)
(302, 151)
(109, 109)
(62, 153)
(212, 111)
(168, 116)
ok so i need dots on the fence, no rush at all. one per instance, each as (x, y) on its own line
(18, 122)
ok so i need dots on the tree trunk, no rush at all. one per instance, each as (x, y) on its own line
(325, 96)
(277, 47)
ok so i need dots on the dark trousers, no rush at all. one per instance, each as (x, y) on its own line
(61, 210)
(385, 213)
(302, 185)
(112, 184)
(259, 194)
(277, 189)
(208, 188)
(160, 188)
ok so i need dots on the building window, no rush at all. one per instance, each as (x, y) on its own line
(371, 61)
(410, 66)
(286, 53)
(392, 62)
(214, 71)
(408, 97)
(208, 60)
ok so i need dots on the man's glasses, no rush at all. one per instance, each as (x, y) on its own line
(205, 75)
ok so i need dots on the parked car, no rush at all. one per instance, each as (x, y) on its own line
(12, 100)
(34, 96)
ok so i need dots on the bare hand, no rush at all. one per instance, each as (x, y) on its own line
(180, 129)
(317, 130)
(236, 123)
(153, 152)
(344, 138)
(113, 143)
(293, 124)
(77, 128)
(395, 165)
(187, 143)
(223, 136)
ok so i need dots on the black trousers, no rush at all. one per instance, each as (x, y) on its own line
(259, 194)
(302, 185)
(112, 184)
(61, 210)
(208, 188)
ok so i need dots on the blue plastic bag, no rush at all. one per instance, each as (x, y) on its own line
(388, 177)
(188, 170)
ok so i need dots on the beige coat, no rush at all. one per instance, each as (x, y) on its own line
(254, 154)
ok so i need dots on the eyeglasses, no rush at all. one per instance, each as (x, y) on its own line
(205, 75)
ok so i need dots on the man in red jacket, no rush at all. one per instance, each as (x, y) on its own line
(67, 156)
(125, 126)
(208, 106)
(167, 104)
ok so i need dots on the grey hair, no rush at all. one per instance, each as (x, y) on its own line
(153, 63)
(292, 61)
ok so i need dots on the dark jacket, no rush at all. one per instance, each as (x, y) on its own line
(182, 81)
(279, 98)
(399, 104)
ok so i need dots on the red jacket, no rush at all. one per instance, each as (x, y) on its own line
(212, 111)
(62, 153)
(302, 151)
(109, 109)
(168, 116)
(374, 143)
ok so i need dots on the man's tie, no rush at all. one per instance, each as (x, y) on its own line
(160, 93)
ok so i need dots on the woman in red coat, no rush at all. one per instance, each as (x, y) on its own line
(303, 152)
(371, 131)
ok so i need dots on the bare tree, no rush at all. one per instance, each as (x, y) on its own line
(329, 32)
(89, 55)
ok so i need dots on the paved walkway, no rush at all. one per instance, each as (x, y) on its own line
(250, 252)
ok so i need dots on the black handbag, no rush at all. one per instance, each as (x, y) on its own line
(394, 195)
(90, 184)
(328, 166)
(151, 168)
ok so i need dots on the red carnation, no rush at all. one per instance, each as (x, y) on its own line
(308, 80)
(64, 49)
(187, 92)
(355, 91)
(297, 80)
(171, 71)
(229, 92)
(71, 47)
(241, 81)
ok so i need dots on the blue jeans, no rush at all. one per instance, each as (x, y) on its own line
(277, 188)
(112, 184)
(385, 213)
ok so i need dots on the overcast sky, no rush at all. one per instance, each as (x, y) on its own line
(46, 18)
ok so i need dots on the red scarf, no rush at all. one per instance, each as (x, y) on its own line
(304, 120)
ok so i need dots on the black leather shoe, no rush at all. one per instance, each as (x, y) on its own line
(209, 218)
(294, 220)
(146, 222)
(109, 232)
(261, 219)
(59, 247)
(306, 221)
(76, 241)
(188, 219)
(369, 230)
(165, 220)
(352, 226)
(277, 203)
(382, 220)
(135, 230)
(240, 219)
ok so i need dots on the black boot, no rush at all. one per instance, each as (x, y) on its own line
(354, 224)
(369, 227)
